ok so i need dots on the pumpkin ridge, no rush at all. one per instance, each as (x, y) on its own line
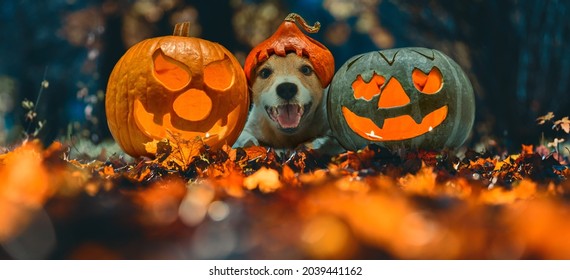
(458, 100)
(140, 52)
(111, 101)
(352, 62)
(128, 91)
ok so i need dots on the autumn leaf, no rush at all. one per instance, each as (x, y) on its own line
(175, 152)
(107, 171)
(499, 165)
(545, 118)
(288, 176)
(563, 124)
(414, 204)
(255, 152)
(232, 183)
(542, 150)
(555, 142)
(151, 147)
(527, 149)
(421, 183)
(265, 179)
(524, 190)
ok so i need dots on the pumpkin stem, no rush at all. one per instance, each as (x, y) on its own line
(299, 20)
(182, 29)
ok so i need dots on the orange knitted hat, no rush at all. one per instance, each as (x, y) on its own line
(288, 38)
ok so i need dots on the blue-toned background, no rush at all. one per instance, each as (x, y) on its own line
(516, 52)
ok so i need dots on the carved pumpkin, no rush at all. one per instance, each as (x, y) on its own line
(401, 98)
(187, 86)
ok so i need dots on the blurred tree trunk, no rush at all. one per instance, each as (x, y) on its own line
(523, 60)
(519, 56)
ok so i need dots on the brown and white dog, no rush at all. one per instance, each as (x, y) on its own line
(289, 107)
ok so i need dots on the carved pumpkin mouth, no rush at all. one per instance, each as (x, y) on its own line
(397, 128)
(288, 116)
(211, 135)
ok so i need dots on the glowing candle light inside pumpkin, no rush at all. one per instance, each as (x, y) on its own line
(373, 135)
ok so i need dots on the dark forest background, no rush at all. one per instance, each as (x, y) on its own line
(516, 52)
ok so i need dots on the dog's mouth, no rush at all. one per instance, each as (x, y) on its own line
(288, 116)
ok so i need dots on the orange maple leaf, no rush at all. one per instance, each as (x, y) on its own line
(527, 149)
(175, 152)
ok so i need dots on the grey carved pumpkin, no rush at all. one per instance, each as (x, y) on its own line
(401, 98)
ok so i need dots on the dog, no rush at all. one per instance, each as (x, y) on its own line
(288, 107)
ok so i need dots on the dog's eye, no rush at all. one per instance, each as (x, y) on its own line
(306, 70)
(265, 73)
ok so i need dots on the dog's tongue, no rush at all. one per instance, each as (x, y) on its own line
(289, 115)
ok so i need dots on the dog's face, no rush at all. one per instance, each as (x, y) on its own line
(288, 90)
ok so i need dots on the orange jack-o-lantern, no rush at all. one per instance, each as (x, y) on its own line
(401, 98)
(187, 86)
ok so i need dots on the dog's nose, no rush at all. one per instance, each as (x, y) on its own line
(287, 90)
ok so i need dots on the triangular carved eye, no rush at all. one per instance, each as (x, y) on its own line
(367, 90)
(172, 74)
(220, 75)
(430, 83)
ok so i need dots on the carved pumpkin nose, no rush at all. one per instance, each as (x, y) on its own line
(193, 105)
(287, 90)
(393, 95)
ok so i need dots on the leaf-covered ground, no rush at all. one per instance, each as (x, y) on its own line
(192, 202)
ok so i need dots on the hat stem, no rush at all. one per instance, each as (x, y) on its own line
(299, 20)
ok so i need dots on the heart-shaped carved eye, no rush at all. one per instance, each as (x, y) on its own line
(430, 83)
(172, 74)
(367, 90)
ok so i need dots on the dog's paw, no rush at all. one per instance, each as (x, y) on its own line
(245, 140)
(326, 145)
